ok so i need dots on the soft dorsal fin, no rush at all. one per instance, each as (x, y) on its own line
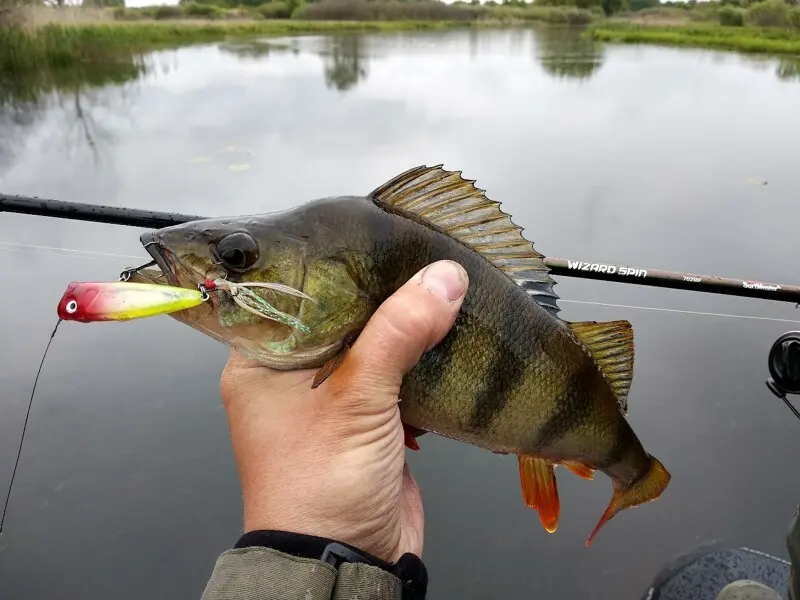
(611, 345)
(453, 204)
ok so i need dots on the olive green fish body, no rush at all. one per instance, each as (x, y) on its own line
(510, 376)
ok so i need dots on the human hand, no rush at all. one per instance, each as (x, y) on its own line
(330, 461)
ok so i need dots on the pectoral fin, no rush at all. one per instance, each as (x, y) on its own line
(334, 362)
(411, 435)
(539, 490)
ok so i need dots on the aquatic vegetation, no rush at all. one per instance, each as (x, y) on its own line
(707, 35)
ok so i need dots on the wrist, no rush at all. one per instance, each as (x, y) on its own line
(409, 570)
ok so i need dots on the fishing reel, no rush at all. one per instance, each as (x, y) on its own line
(784, 368)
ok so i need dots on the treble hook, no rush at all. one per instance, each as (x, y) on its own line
(126, 274)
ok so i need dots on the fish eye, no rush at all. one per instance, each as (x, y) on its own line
(237, 251)
(71, 306)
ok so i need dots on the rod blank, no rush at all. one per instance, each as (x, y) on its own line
(711, 284)
(112, 215)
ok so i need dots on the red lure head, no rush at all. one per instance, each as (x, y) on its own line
(77, 297)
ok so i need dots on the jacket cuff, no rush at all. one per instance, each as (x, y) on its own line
(358, 572)
(267, 574)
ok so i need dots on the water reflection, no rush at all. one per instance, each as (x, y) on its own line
(77, 94)
(345, 62)
(564, 52)
(785, 68)
(344, 57)
(788, 69)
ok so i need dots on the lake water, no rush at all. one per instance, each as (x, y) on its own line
(646, 156)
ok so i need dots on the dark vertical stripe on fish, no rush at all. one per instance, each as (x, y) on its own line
(432, 364)
(572, 411)
(505, 374)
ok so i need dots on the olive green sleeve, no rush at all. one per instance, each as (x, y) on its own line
(793, 545)
(257, 573)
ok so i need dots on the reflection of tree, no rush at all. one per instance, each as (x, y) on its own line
(258, 49)
(344, 61)
(788, 69)
(344, 58)
(564, 52)
(77, 94)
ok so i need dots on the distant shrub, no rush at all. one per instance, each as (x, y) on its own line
(167, 12)
(123, 14)
(794, 16)
(665, 13)
(394, 10)
(205, 11)
(588, 4)
(705, 11)
(276, 10)
(564, 15)
(769, 13)
(580, 16)
(730, 16)
(637, 5)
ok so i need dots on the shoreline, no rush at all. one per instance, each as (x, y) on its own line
(57, 39)
(774, 41)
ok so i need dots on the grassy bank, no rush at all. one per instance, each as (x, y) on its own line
(773, 40)
(64, 46)
(41, 38)
(767, 26)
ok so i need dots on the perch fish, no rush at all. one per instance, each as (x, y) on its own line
(511, 376)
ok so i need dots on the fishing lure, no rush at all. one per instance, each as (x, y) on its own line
(89, 302)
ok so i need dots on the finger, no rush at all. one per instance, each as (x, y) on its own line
(411, 321)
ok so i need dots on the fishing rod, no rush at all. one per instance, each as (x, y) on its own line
(711, 284)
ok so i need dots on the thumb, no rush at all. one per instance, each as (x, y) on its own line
(411, 321)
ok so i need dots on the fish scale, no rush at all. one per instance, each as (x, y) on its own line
(510, 376)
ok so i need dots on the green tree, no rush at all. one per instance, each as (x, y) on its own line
(612, 6)
(103, 3)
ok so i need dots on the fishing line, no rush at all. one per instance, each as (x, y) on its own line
(25, 425)
(12, 245)
(686, 312)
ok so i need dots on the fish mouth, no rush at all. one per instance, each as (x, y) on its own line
(159, 253)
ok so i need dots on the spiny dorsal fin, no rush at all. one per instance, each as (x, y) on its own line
(611, 345)
(453, 204)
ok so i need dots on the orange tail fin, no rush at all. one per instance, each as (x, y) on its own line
(645, 489)
(539, 490)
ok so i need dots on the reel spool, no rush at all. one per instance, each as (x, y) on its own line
(784, 368)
